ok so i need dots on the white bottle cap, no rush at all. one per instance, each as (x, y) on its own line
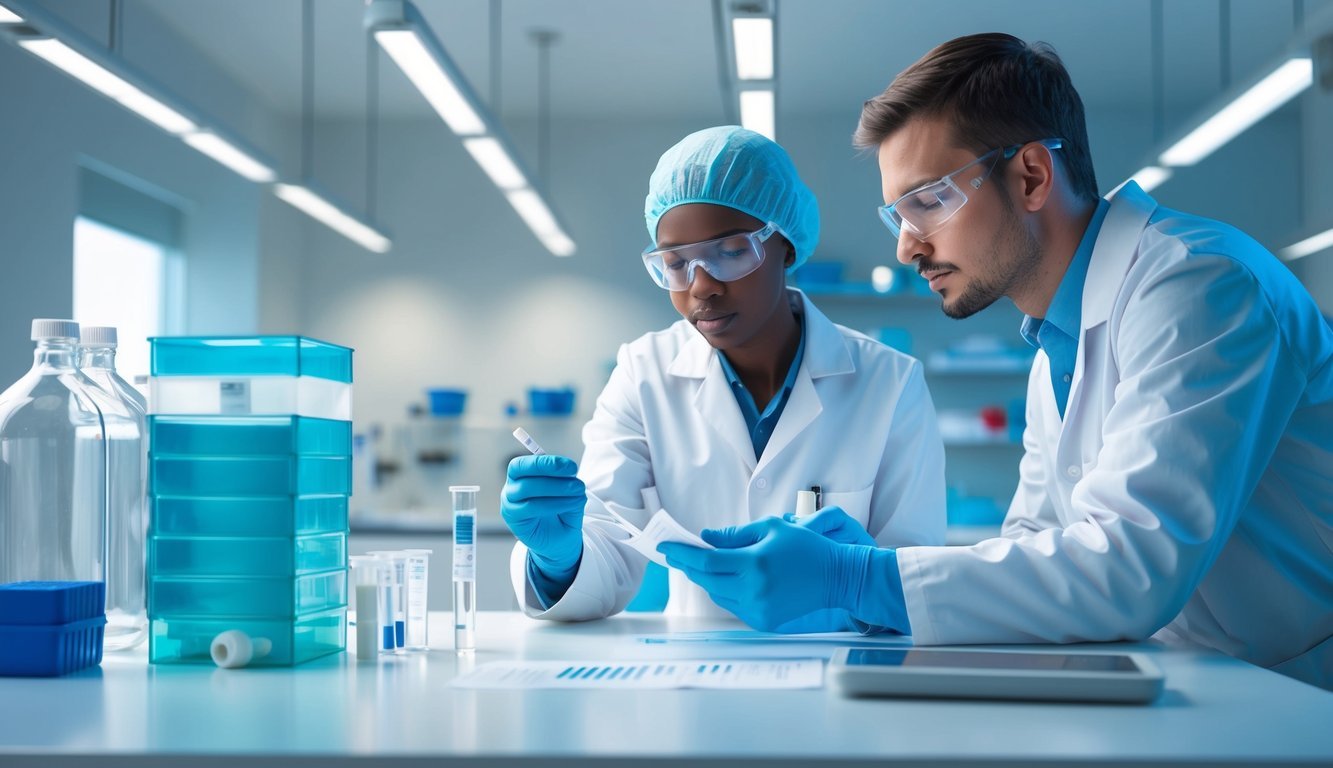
(805, 504)
(97, 336)
(43, 328)
(234, 648)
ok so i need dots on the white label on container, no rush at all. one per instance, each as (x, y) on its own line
(234, 397)
(465, 548)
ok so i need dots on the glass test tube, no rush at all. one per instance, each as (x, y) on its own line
(366, 586)
(465, 566)
(390, 587)
(417, 569)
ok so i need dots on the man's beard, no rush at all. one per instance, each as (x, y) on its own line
(1000, 274)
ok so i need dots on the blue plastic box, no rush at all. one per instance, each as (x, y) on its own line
(447, 402)
(248, 515)
(52, 650)
(43, 603)
(551, 402)
(250, 356)
(248, 436)
(186, 640)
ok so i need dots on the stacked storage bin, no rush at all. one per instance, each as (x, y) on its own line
(250, 470)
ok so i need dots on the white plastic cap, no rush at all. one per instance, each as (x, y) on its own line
(97, 336)
(234, 648)
(44, 328)
(805, 504)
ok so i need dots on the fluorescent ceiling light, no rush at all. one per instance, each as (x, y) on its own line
(490, 154)
(1279, 87)
(753, 39)
(533, 211)
(224, 152)
(1308, 246)
(558, 243)
(757, 112)
(331, 216)
(109, 84)
(429, 76)
(1150, 177)
(9, 17)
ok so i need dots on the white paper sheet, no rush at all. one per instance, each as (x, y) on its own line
(662, 527)
(661, 675)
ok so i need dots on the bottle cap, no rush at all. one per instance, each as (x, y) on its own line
(805, 504)
(45, 328)
(97, 336)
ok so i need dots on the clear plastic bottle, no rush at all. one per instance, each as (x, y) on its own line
(53, 465)
(127, 491)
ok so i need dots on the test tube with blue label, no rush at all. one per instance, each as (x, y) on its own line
(418, 563)
(465, 566)
(391, 616)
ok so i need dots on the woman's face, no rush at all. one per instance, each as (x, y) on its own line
(727, 314)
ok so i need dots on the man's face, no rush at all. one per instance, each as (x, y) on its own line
(727, 314)
(984, 250)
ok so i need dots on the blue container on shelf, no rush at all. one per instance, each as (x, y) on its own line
(447, 402)
(551, 402)
(51, 628)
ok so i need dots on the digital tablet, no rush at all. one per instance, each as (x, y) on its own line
(982, 674)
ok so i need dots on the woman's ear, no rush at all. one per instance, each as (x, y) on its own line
(791, 256)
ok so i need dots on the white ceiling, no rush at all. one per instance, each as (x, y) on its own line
(657, 57)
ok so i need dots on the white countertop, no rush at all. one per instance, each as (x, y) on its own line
(335, 711)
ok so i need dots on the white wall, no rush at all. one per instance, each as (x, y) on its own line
(50, 125)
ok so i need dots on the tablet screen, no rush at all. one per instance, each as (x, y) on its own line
(872, 657)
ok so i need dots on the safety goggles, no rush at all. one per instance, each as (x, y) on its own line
(725, 258)
(926, 209)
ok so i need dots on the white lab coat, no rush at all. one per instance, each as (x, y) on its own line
(1188, 491)
(859, 423)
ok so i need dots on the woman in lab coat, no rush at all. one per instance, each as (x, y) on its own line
(722, 417)
(1178, 475)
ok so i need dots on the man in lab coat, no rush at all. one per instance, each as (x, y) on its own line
(721, 418)
(1178, 475)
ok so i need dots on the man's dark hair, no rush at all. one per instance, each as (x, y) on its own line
(997, 91)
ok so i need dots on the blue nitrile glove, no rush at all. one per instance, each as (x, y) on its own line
(833, 523)
(772, 572)
(542, 503)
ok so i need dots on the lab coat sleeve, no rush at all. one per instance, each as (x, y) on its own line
(907, 504)
(617, 467)
(1205, 388)
(1031, 510)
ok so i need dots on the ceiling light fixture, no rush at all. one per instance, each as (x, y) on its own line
(1308, 247)
(748, 69)
(91, 63)
(400, 29)
(1238, 113)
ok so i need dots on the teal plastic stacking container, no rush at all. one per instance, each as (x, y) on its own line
(242, 596)
(246, 556)
(237, 436)
(263, 516)
(249, 475)
(186, 639)
(250, 356)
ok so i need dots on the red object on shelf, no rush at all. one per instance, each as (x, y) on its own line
(994, 417)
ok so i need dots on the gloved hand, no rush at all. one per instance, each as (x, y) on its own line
(770, 572)
(542, 503)
(835, 524)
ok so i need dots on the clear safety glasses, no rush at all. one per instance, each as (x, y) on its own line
(725, 258)
(926, 209)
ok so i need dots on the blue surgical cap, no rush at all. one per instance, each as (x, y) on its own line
(739, 169)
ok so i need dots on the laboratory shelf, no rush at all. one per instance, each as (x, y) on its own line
(249, 476)
(241, 596)
(233, 356)
(246, 556)
(248, 436)
(186, 640)
(282, 515)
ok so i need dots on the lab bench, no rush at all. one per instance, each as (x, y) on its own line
(336, 711)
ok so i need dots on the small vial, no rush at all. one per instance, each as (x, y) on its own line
(465, 566)
(366, 586)
(390, 592)
(417, 568)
